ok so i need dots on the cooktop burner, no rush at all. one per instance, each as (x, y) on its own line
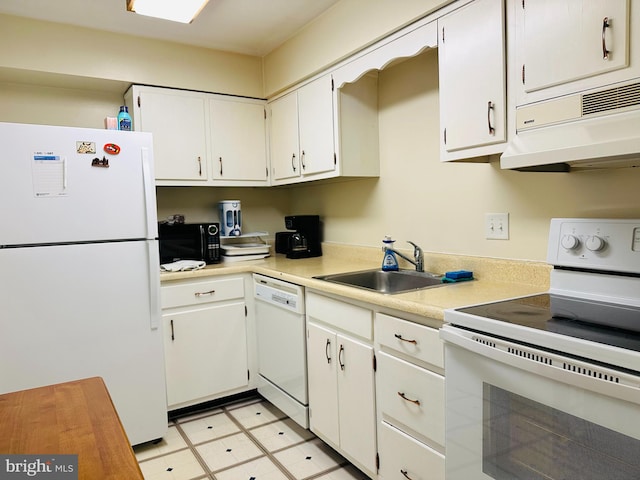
(607, 323)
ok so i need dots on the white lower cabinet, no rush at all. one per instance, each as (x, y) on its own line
(205, 339)
(410, 399)
(340, 363)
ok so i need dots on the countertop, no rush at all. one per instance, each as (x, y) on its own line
(495, 279)
(72, 418)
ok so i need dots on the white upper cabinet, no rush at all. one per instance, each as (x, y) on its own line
(238, 140)
(284, 142)
(471, 66)
(301, 138)
(315, 124)
(202, 138)
(569, 46)
(177, 120)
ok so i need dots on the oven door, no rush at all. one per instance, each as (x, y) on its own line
(516, 412)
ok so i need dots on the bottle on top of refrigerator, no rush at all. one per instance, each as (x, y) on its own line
(389, 262)
(124, 119)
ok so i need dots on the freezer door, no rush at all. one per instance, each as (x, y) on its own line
(61, 184)
(77, 311)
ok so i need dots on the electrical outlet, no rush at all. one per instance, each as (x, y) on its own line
(496, 226)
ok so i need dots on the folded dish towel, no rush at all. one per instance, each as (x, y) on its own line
(182, 266)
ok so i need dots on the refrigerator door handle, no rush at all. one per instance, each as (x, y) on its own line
(149, 192)
(154, 283)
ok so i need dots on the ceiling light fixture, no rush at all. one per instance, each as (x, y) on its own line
(183, 11)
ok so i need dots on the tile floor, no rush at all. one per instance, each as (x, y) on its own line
(247, 440)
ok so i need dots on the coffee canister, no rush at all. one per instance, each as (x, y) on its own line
(230, 218)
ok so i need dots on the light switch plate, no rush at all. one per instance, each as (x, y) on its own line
(496, 226)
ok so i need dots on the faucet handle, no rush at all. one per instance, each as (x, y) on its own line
(416, 249)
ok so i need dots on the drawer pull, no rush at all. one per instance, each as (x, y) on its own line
(417, 402)
(399, 337)
(406, 474)
(202, 294)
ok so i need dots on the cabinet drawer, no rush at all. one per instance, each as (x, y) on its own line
(402, 457)
(418, 341)
(347, 317)
(195, 293)
(410, 395)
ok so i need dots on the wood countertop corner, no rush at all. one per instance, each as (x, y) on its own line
(76, 417)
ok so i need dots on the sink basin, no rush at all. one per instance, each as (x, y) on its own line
(386, 282)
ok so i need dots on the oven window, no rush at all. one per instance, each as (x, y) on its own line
(524, 439)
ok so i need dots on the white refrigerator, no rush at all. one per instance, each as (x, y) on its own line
(79, 267)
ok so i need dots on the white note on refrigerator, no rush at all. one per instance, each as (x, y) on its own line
(49, 175)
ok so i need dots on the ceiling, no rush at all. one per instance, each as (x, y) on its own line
(253, 27)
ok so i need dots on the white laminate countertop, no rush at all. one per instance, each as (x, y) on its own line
(496, 279)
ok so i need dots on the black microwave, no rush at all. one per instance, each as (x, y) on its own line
(189, 241)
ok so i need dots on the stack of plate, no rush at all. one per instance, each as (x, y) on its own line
(244, 251)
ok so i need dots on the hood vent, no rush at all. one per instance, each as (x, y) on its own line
(611, 99)
(582, 131)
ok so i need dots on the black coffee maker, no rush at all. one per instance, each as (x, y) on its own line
(305, 242)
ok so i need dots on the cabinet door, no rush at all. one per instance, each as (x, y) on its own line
(285, 161)
(238, 140)
(323, 387)
(472, 76)
(568, 40)
(205, 351)
(315, 111)
(177, 121)
(357, 406)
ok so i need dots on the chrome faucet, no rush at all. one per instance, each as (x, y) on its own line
(418, 256)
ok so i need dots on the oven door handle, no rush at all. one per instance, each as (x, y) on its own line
(572, 371)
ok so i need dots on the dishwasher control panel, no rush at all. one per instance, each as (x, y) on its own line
(279, 293)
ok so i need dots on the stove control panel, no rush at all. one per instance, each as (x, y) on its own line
(599, 244)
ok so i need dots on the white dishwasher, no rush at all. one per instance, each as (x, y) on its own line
(282, 360)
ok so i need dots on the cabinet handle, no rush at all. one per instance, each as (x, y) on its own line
(490, 106)
(199, 166)
(220, 159)
(406, 474)
(326, 350)
(293, 165)
(173, 337)
(399, 337)
(606, 23)
(201, 294)
(402, 395)
(302, 160)
(340, 357)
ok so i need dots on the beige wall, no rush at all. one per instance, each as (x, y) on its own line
(37, 46)
(441, 206)
(347, 27)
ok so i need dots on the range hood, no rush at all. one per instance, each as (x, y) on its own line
(583, 131)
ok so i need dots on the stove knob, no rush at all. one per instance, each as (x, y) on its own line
(595, 243)
(570, 242)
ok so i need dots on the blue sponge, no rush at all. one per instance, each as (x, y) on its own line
(459, 274)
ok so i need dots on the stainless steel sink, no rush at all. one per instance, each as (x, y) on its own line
(386, 282)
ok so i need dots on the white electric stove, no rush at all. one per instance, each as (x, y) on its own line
(548, 386)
